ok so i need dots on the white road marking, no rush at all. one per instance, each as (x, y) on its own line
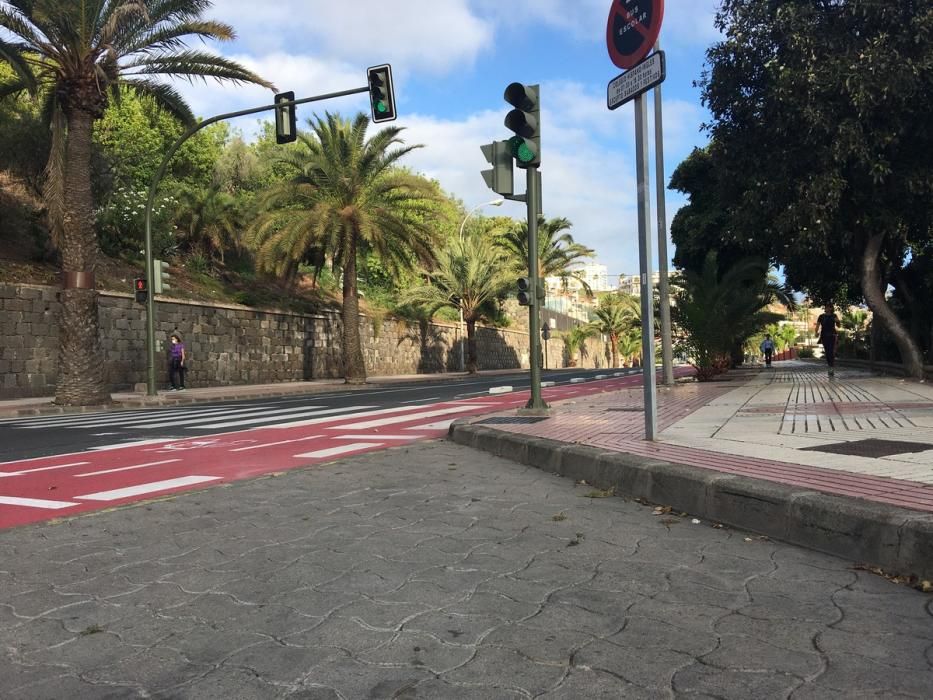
(361, 414)
(134, 466)
(578, 380)
(252, 415)
(134, 443)
(107, 420)
(427, 400)
(294, 414)
(42, 469)
(376, 435)
(601, 376)
(544, 385)
(34, 503)
(334, 451)
(151, 487)
(363, 425)
(500, 389)
(439, 425)
(271, 444)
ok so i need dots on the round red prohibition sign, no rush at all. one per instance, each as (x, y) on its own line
(632, 30)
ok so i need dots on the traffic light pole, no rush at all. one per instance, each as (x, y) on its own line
(534, 317)
(150, 267)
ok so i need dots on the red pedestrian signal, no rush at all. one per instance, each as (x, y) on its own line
(142, 291)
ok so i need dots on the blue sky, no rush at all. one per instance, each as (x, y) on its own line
(451, 61)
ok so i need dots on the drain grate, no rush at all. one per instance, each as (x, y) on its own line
(872, 448)
(503, 420)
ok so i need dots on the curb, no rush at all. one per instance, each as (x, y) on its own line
(896, 539)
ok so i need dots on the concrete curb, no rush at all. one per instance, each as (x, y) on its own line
(896, 539)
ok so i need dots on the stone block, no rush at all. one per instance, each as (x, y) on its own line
(915, 553)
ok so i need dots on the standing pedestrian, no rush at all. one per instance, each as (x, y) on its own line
(176, 372)
(767, 349)
(826, 329)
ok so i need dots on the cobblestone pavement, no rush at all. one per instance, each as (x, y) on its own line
(436, 571)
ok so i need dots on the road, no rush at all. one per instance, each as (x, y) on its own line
(52, 466)
(437, 571)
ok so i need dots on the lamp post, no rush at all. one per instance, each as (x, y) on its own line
(493, 203)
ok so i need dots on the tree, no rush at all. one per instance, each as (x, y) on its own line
(830, 103)
(557, 251)
(208, 221)
(630, 345)
(78, 55)
(719, 311)
(469, 275)
(616, 314)
(345, 197)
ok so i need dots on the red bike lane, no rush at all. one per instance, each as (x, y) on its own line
(64, 485)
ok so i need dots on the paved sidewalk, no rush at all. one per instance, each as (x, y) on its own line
(236, 392)
(842, 464)
(440, 573)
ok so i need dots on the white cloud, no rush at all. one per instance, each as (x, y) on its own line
(423, 34)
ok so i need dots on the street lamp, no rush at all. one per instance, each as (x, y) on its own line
(493, 203)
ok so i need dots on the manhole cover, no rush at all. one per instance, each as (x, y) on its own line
(501, 420)
(872, 448)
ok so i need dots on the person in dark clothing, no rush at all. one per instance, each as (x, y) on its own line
(826, 329)
(176, 371)
(767, 349)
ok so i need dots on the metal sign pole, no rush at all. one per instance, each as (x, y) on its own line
(667, 350)
(644, 260)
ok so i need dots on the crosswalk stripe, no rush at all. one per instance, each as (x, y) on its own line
(151, 487)
(361, 414)
(362, 425)
(439, 425)
(34, 502)
(126, 420)
(187, 422)
(376, 435)
(334, 451)
(132, 466)
(119, 416)
(329, 412)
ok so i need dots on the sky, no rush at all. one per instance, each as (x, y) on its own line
(451, 61)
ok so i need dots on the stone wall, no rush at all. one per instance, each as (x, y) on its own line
(231, 344)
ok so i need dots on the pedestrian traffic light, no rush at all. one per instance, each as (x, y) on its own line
(160, 274)
(381, 93)
(524, 291)
(525, 121)
(498, 178)
(286, 129)
(142, 293)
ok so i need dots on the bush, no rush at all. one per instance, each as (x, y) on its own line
(804, 352)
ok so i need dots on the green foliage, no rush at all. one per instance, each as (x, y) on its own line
(557, 251)
(616, 315)
(829, 103)
(718, 312)
(121, 223)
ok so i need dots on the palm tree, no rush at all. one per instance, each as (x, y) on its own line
(77, 55)
(616, 315)
(209, 221)
(719, 311)
(469, 275)
(575, 342)
(347, 199)
(630, 345)
(557, 251)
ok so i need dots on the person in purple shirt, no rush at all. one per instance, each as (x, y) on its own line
(176, 371)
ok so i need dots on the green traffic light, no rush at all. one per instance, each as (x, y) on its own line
(521, 150)
(382, 107)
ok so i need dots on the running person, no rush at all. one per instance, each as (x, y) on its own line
(826, 329)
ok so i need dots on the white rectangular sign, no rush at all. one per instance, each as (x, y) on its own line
(644, 76)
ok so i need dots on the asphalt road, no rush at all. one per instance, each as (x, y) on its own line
(27, 438)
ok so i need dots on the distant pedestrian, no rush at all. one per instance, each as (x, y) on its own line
(826, 329)
(177, 368)
(767, 348)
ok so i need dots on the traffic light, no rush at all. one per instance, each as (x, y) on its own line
(525, 121)
(286, 130)
(160, 270)
(524, 291)
(381, 93)
(142, 293)
(499, 177)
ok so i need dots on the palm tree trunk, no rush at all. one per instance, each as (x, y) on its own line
(354, 365)
(472, 357)
(874, 295)
(80, 361)
(614, 344)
